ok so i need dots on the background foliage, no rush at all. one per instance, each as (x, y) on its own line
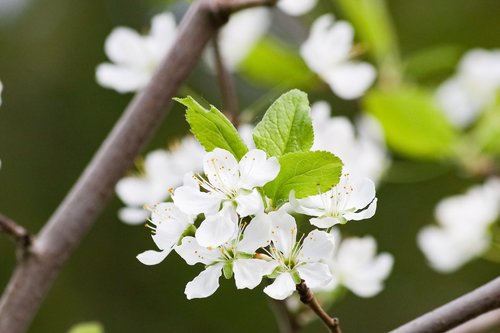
(54, 116)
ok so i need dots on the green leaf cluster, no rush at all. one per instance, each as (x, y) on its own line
(89, 327)
(285, 132)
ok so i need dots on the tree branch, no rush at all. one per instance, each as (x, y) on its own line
(482, 323)
(226, 84)
(18, 233)
(307, 297)
(75, 216)
(458, 311)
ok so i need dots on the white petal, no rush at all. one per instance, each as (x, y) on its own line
(363, 193)
(133, 216)
(256, 169)
(315, 274)
(135, 191)
(162, 35)
(122, 79)
(248, 273)
(317, 245)
(249, 203)
(218, 229)
(158, 165)
(153, 257)
(256, 235)
(283, 232)
(170, 224)
(125, 46)
(221, 169)
(312, 206)
(296, 7)
(205, 284)
(364, 214)
(193, 253)
(325, 222)
(245, 131)
(191, 201)
(282, 287)
(351, 79)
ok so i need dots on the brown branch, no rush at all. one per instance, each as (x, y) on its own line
(35, 274)
(18, 233)
(307, 297)
(226, 83)
(480, 324)
(458, 311)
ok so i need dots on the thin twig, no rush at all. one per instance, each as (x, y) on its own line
(226, 83)
(458, 311)
(35, 274)
(482, 323)
(287, 322)
(17, 232)
(307, 297)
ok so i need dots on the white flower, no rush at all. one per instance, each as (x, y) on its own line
(169, 224)
(1, 89)
(327, 52)
(245, 131)
(162, 171)
(462, 234)
(136, 57)
(473, 87)
(234, 256)
(364, 155)
(238, 37)
(296, 7)
(348, 200)
(227, 182)
(356, 266)
(296, 261)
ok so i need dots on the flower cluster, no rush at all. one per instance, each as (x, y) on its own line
(463, 232)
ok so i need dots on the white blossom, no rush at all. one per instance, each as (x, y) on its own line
(356, 266)
(238, 37)
(472, 88)
(168, 226)
(363, 155)
(226, 183)
(135, 57)
(296, 7)
(161, 172)
(234, 256)
(462, 233)
(327, 51)
(351, 199)
(1, 90)
(296, 260)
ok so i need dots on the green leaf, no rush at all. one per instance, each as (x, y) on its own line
(414, 126)
(90, 327)
(287, 126)
(486, 132)
(432, 62)
(270, 63)
(306, 173)
(212, 128)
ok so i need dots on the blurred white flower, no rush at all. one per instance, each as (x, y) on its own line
(463, 231)
(351, 199)
(472, 88)
(364, 155)
(237, 38)
(356, 266)
(296, 7)
(1, 90)
(327, 52)
(162, 171)
(12, 8)
(245, 131)
(136, 57)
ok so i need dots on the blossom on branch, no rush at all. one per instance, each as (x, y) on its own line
(348, 200)
(327, 52)
(229, 187)
(296, 260)
(236, 256)
(136, 57)
(463, 231)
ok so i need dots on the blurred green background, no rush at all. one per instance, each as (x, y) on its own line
(54, 117)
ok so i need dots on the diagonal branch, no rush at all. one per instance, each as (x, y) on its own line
(18, 233)
(458, 311)
(76, 215)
